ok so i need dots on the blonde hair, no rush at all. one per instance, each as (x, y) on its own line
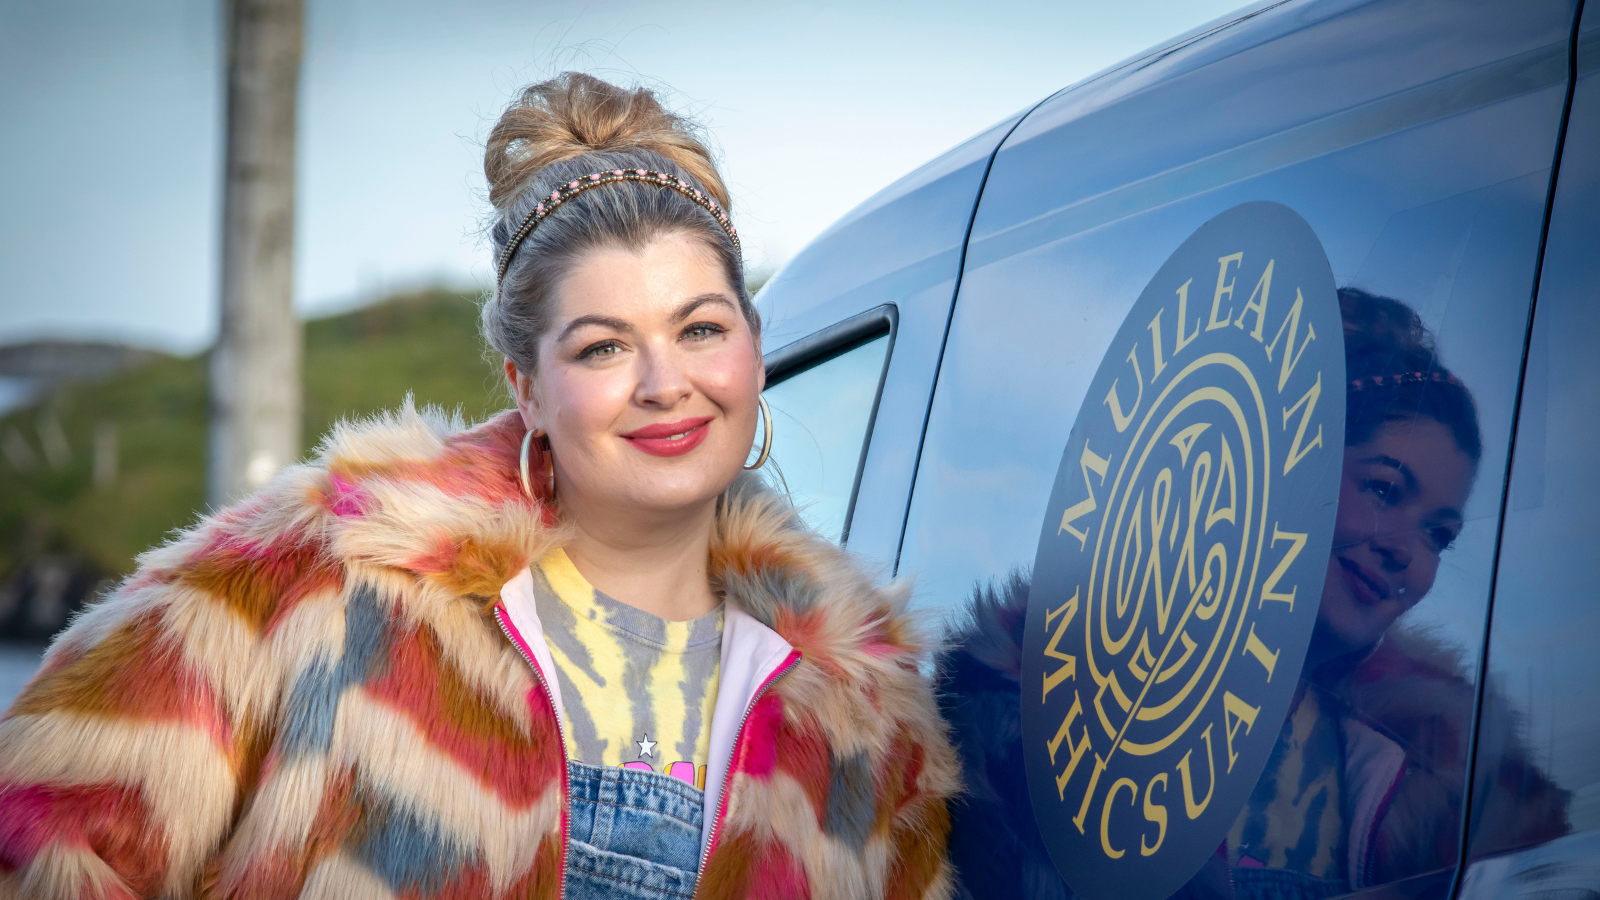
(560, 130)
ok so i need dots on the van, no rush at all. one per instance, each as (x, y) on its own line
(1235, 412)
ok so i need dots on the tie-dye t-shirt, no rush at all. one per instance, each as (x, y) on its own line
(1294, 820)
(637, 689)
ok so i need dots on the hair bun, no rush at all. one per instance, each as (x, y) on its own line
(1383, 336)
(573, 114)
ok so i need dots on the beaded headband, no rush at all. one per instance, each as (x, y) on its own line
(588, 182)
(1383, 381)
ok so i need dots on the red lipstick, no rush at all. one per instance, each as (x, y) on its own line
(670, 438)
(1367, 588)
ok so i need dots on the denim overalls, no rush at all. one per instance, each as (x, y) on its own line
(633, 834)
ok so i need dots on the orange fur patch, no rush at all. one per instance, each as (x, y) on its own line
(136, 673)
(262, 582)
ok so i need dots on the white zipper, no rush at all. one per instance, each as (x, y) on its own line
(722, 792)
(561, 731)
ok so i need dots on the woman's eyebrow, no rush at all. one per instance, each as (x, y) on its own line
(687, 309)
(1404, 470)
(603, 321)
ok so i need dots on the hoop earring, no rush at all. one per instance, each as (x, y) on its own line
(522, 469)
(527, 486)
(766, 441)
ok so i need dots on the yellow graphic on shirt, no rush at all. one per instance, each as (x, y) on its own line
(1295, 817)
(637, 689)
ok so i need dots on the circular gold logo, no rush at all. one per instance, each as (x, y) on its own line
(1178, 573)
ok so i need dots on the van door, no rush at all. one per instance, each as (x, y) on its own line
(1414, 139)
(1538, 749)
(853, 328)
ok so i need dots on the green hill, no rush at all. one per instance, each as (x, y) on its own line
(355, 363)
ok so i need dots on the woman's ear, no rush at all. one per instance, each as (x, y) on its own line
(522, 391)
(761, 367)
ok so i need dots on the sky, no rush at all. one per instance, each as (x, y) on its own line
(111, 124)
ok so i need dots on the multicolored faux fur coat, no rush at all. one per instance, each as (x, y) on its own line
(321, 693)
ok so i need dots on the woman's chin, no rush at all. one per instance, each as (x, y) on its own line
(658, 487)
(1345, 626)
(677, 492)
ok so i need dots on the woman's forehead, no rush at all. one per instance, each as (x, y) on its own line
(655, 282)
(1427, 453)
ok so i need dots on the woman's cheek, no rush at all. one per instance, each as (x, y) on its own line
(735, 363)
(729, 382)
(1352, 522)
(592, 401)
(1419, 580)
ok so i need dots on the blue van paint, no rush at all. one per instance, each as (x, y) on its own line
(904, 246)
(1443, 116)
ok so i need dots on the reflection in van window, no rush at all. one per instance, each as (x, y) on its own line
(1354, 793)
(1365, 785)
(1543, 671)
(820, 420)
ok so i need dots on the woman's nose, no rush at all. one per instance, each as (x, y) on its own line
(1395, 549)
(663, 382)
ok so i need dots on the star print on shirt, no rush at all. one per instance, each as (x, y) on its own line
(647, 748)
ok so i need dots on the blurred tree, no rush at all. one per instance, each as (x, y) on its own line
(255, 368)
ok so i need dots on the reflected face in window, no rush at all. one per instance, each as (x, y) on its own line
(1400, 503)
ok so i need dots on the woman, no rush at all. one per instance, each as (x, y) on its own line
(1383, 716)
(1355, 793)
(570, 652)
(1364, 785)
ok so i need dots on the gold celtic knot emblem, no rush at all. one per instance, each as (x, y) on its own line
(1175, 585)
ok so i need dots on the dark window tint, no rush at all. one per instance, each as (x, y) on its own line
(821, 417)
(1539, 744)
(1416, 139)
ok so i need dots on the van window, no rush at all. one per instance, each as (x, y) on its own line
(821, 418)
(1430, 221)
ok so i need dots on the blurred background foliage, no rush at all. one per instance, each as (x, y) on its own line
(96, 471)
(110, 459)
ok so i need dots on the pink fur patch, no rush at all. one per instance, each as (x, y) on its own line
(778, 875)
(758, 746)
(346, 499)
(107, 820)
(27, 824)
(439, 558)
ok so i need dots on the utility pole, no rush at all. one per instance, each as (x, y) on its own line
(255, 366)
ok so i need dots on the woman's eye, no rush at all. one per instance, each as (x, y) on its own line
(702, 330)
(599, 351)
(1386, 491)
(1442, 537)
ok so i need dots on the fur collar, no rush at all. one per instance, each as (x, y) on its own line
(417, 491)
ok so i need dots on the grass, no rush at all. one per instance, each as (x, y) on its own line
(355, 364)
